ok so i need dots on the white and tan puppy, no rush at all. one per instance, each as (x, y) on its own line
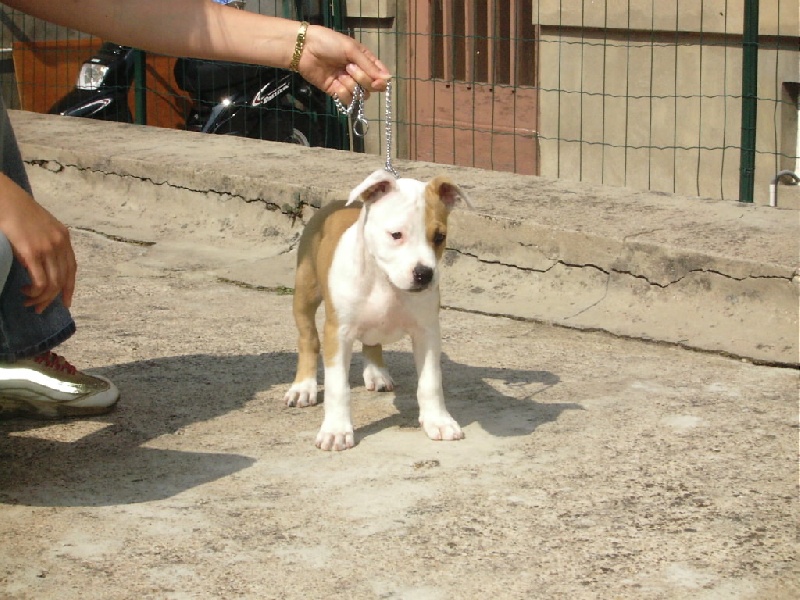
(374, 262)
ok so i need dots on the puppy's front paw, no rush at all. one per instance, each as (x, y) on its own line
(377, 379)
(335, 437)
(442, 427)
(302, 393)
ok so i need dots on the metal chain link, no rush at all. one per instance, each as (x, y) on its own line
(388, 129)
(361, 124)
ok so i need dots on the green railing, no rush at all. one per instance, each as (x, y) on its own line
(749, 101)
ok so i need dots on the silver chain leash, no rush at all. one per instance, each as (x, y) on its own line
(361, 125)
(387, 131)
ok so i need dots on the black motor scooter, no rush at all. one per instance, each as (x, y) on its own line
(101, 91)
(226, 98)
(251, 101)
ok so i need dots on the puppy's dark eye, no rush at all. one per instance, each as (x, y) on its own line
(438, 238)
(397, 235)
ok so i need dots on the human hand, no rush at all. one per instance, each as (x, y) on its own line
(335, 63)
(40, 243)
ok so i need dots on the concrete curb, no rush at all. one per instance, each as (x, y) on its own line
(704, 274)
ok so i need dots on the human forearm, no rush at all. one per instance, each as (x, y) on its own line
(198, 28)
(333, 62)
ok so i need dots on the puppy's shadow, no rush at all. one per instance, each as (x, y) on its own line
(502, 401)
(113, 463)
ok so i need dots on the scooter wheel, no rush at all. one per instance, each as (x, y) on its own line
(300, 131)
(298, 137)
(303, 132)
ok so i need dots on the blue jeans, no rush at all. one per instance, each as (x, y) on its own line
(23, 333)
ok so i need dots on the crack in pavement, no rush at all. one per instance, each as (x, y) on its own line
(60, 167)
(610, 272)
(294, 212)
(114, 238)
(683, 344)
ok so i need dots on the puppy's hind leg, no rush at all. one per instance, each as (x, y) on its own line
(307, 298)
(376, 377)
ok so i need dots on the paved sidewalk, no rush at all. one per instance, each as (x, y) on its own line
(593, 466)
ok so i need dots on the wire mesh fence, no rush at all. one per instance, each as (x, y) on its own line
(648, 94)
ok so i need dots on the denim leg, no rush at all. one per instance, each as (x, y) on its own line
(6, 258)
(23, 333)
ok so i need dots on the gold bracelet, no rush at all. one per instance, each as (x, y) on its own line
(299, 44)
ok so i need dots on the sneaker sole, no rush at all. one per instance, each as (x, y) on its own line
(34, 409)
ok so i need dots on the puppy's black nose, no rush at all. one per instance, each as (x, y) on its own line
(422, 275)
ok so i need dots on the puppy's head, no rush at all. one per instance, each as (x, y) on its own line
(404, 224)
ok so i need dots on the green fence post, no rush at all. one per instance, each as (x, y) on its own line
(747, 161)
(139, 88)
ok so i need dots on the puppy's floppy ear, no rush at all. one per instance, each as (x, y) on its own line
(448, 192)
(374, 187)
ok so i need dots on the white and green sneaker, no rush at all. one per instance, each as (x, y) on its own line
(49, 387)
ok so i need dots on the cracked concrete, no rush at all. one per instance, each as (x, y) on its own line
(593, 467)
(705, 274)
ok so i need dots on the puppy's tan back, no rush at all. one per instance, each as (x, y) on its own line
(318, 244)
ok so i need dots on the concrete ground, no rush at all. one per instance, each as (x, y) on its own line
(594, 465)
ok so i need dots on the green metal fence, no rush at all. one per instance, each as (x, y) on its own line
(695, 98)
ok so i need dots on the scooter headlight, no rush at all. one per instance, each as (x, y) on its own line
(91, 76)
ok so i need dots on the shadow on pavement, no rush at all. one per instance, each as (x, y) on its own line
(113, 465)
(500, 400)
